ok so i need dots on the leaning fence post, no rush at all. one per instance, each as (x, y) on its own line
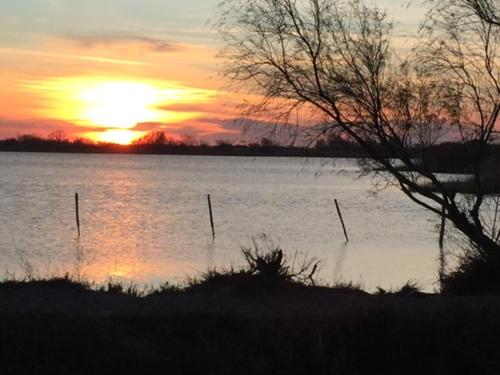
(443, 225)
(442, 259)
(77, 212)
(341, 220)
(211, 216)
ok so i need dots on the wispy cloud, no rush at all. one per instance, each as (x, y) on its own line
(236, 129)
(199, 128)
(10, 127)
(152, 44)
(67, 56)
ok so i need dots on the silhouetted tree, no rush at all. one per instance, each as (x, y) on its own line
(487, 11)
(156, 138)
(189, 140)
(57, 136)
(223, 144)
(29, 139)
(335, 60)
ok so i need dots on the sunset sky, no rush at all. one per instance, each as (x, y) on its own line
(111, 70)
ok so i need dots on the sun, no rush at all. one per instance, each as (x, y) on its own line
(118, 136)
(120, 104)
(113, 107)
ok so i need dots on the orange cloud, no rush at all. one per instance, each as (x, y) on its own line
(13, 127)
(98, 85)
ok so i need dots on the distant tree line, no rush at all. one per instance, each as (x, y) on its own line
(158, 142)
(446, 157)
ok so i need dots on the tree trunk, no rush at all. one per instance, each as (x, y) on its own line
(484, 243)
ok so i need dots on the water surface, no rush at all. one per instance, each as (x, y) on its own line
(145, 218)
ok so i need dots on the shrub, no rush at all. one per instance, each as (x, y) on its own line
(274, 265)
(264, 268)
(477, 272)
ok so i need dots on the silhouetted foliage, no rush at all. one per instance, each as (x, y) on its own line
(274, 265)
(157, 142)
(335, 61)
(65, 326)
(477, 273)
(264, 270)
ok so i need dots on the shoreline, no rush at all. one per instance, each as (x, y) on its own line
(209, 153)
(179, 154)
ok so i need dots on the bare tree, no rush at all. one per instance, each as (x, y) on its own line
(461, 50)
(486, 10)
(57, 136)
(334, 59)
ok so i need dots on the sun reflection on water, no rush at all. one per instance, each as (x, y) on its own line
(144, 219)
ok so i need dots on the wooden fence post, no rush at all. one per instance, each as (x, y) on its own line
(341, 220)
(77, 212)
(211, 216)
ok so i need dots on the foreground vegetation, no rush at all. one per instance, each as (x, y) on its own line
(267, 318)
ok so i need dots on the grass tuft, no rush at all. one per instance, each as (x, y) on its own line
(411, 289)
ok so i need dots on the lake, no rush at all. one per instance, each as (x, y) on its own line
(145, 219)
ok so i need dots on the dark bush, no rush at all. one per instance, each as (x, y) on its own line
(478, 273)
(274, 265)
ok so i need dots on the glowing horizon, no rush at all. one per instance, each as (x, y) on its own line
(105, 71)
(116, 105)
